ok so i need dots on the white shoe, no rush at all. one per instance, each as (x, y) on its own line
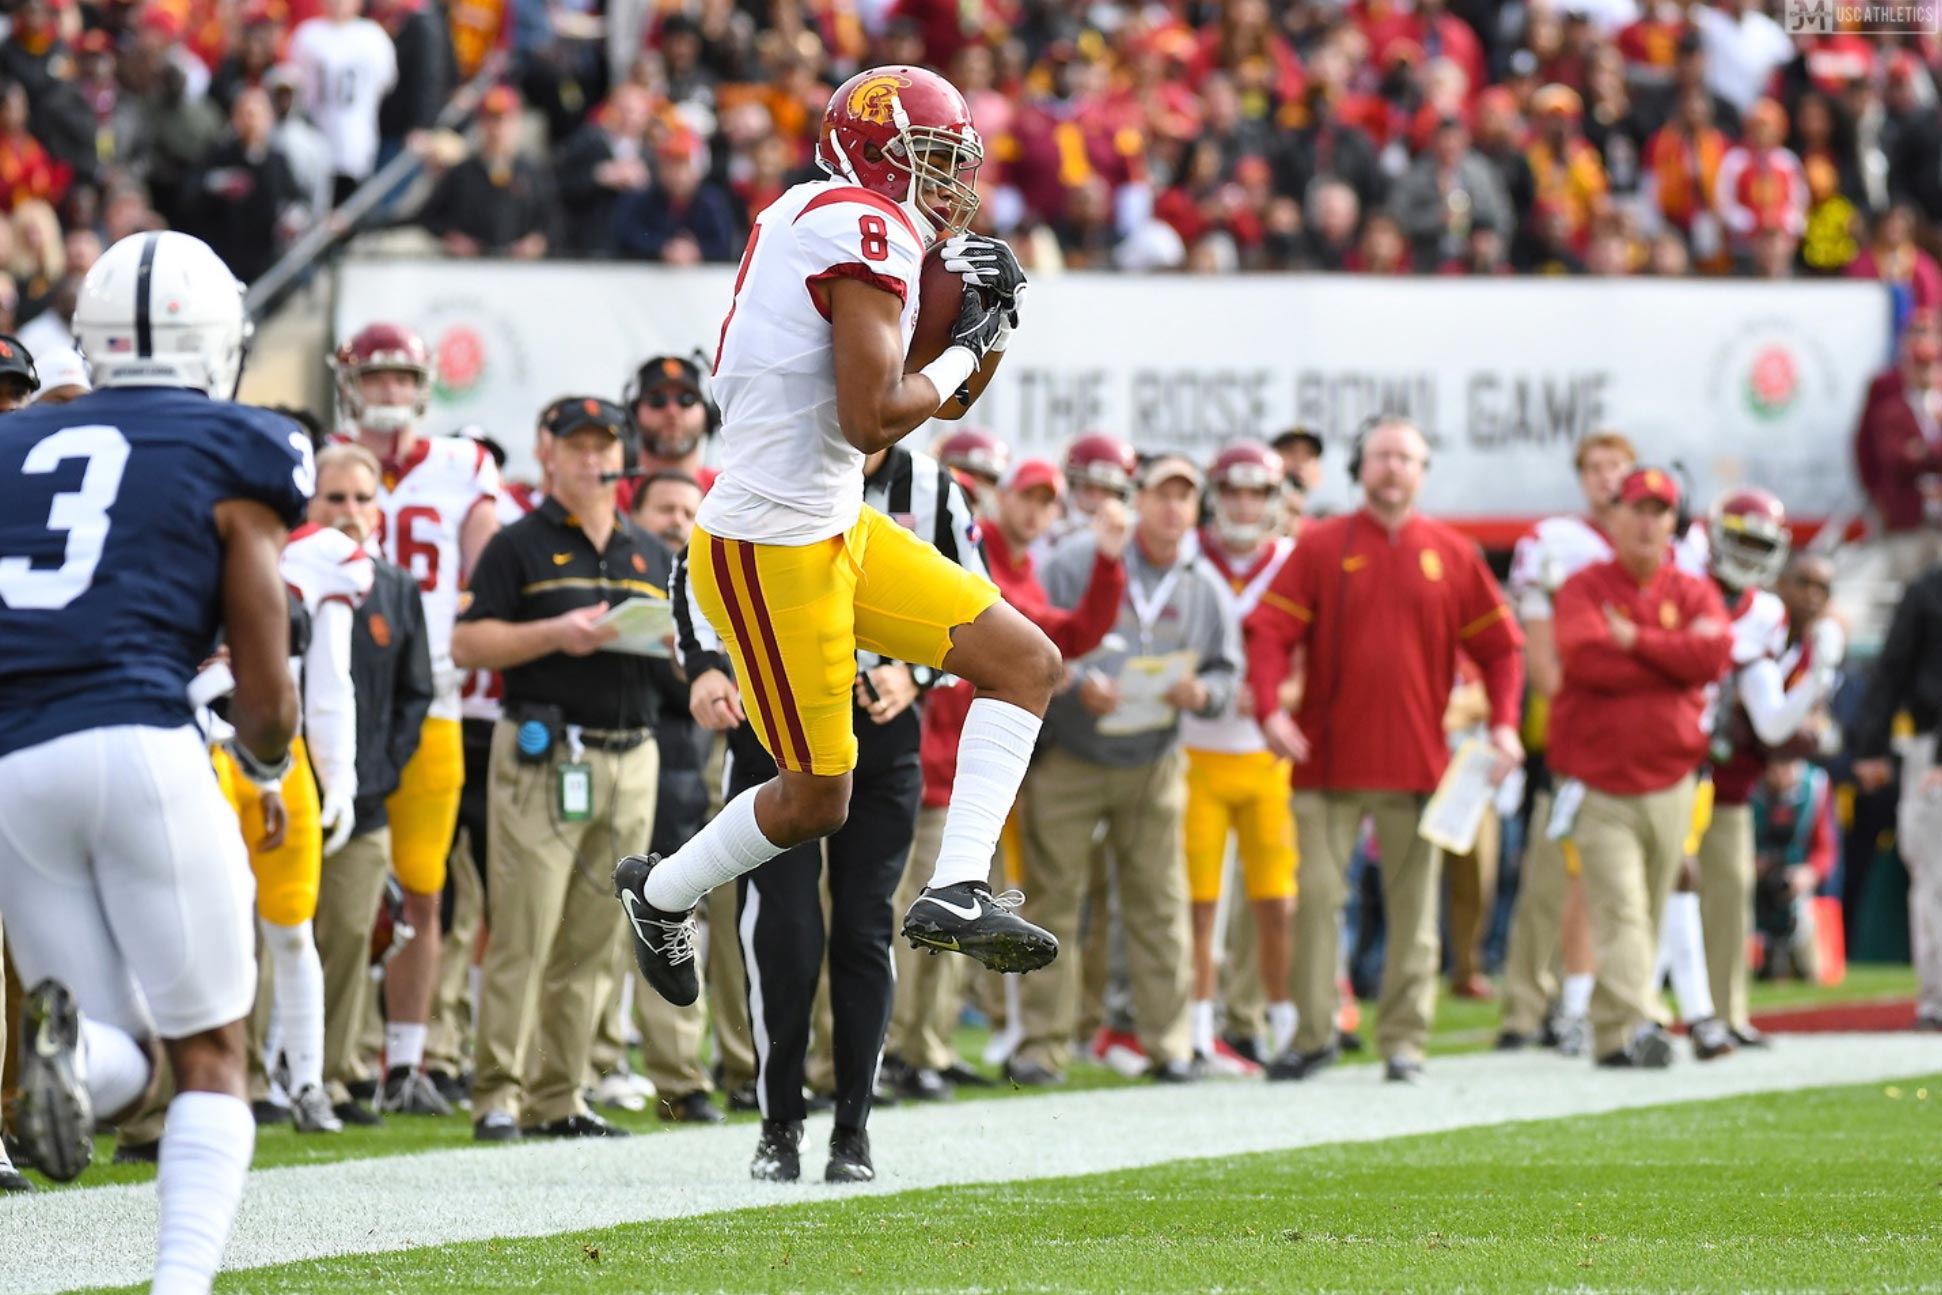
(616, 1091)
(1574, 1036)
(1225, 1063)
(310, 1112)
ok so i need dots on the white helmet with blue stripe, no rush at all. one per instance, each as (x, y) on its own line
(162, 310)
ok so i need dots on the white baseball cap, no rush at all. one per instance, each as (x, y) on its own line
(62, 368)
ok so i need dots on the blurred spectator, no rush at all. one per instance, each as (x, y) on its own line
(254, 54)
(1301, 458)
(1744, 48)
(1824, 141)
(1668, 257)
(247, 200)
(1499, 139)
(1682, 161)
(1794, 843)
(423, 49)
(1761, 187)
(117, 122)
(303, 146)
(605, 159)
(1565, 168)
(1771, 253)
(1381, 249)
(1914, 279)
(1898, 450)
(184, 129)
(1447, 194)
(26, 170)
(682, 218)
(1911, 134)
(1689, 74)
(53, 327)
(348, 65)
(39, 256)
(495, 202)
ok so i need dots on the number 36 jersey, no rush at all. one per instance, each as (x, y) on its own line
(425, 501)
(788, 477)
(110, 565)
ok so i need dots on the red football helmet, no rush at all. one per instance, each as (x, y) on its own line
(1098, 459)
(1746, 534)
(976, 452)
(1246, 465)
(382, 348)
(906, 133)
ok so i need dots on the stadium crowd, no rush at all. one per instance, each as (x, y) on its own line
(1204, 644)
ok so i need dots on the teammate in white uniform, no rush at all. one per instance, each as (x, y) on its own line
(348, 64)
(1549, 914)
(135, 522)
(1236, 787)
(439, 504)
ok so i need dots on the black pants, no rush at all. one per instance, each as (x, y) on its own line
(476, 737)
(783, 936)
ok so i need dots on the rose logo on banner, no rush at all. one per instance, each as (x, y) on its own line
(1772, 382)
(459, 361)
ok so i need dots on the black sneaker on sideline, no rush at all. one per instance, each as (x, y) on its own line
(744, 1099)
(1301, 1065)
(455, 1089)
(924, 1085)
(1711, 1039)
(1402, 1070)
(1751, 1038)
(778, 1152)
(960, 1075)
(496, 1127)
(967, 918)
(55, 1117)
(358, 1115)
(139, 1153)
(849, 1157)
(408, 1091)
(1246, 1047)
(12, 1181)
(587, 1125)
(1030, 1074)
(1512, 1041)
(690, 1108)
(664, 943)
(267, 1113)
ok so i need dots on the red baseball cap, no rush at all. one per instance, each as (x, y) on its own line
(1649, 484)
(1030, 474)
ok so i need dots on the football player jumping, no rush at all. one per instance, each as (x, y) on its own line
(438, 502)
(794, 571)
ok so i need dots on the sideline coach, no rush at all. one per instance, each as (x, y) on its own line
(1383, 599)
(574, 772)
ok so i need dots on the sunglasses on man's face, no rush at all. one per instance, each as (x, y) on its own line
(662, 399)
(344, 497)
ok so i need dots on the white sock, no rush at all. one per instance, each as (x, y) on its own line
(1576, 999)
(116, 1066)
(1682, 950)
(993, 750)
(1283, 1020)
(720, 852)
(206, 1147)
(1203, 1024)
(404, 1045)
(299, 1000)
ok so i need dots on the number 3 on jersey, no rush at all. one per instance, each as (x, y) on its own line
(80, 516)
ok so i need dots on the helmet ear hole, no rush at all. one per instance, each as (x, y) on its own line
(872, 154)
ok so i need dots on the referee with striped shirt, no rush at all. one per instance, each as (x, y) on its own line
(781, 925)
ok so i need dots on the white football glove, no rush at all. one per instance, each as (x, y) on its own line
(338, 817)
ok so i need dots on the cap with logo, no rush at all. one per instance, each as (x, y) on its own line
(1030, 474)
(1649, 485)
(575, 413)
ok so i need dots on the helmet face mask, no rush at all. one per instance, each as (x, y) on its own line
(378, 349)
(1246, 480)
(906, 133)
(1746, 532)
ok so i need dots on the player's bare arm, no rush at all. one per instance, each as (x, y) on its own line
(480, 525)
(257, 625)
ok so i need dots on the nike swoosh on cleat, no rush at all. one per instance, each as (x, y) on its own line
(971, 914)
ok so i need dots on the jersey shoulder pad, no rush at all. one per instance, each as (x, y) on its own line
(846, 224)
(463, 464)
(323, 563)
(267, 457)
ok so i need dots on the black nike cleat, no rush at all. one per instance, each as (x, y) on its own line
(55, 1116)
(664, 943)
(849, 1157)
(778, 1154)
(967, 918)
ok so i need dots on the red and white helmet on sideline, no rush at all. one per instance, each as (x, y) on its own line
(977, 453)
(381, 348)
(906, 133)
(1104, 461)
(1746, 533)
(1246, 465)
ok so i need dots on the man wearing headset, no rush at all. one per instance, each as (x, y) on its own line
(1399, 595)
(675, 417)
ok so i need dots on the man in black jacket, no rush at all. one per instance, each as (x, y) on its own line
(391, 674)
(601, 161)
(246, 199)
(1908, 676)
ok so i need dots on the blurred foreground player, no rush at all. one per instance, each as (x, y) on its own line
(134, 524)
(797, 573)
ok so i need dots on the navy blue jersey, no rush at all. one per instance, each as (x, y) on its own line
(110, 566)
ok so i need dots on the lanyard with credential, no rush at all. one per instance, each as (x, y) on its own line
(1147, 607)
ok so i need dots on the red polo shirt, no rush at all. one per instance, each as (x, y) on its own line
(1628, 722)
(1382, 617)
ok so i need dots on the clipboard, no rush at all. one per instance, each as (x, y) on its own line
(644, 625)
(1455, 812)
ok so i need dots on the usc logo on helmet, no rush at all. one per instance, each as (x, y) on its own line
(874, 100)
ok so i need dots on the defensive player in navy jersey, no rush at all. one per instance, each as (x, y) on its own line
(135, 523)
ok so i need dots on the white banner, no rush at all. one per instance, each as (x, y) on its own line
(1739, 382)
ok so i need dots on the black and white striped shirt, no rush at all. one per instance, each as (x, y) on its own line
(912, 489)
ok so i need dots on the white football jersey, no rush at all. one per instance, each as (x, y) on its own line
(347, 70)
(1542, 561)
(331, 574)
(482, 692)
(1231, 731)
(788, 476)
(424, 511)
(1759, 628)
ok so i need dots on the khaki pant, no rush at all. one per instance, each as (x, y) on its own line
(1536, 921)
(448, 1034)
(924, 1015)
(1473, 897)
(348, 896)
(1144, 809)
(1918, 828)
(1630, 848)
(671, 1037)
(1242, 995)
(554, 924)
(1726, 907)
(1327, 824)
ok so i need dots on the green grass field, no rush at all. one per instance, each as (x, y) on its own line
(1817, 1190)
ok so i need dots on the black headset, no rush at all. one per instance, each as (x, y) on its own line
(630, 395)
(1365, 429)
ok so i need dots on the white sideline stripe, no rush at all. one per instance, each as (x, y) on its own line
(106, 1236)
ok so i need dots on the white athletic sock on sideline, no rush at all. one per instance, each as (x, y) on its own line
(299, 999)
(1283, 1020)
(993, 750)
(207, 1142)
(1203, 1026)
(1575, 1001)
(1682, 951)
(720, 852)
(404, 1045)
(117, 1067)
